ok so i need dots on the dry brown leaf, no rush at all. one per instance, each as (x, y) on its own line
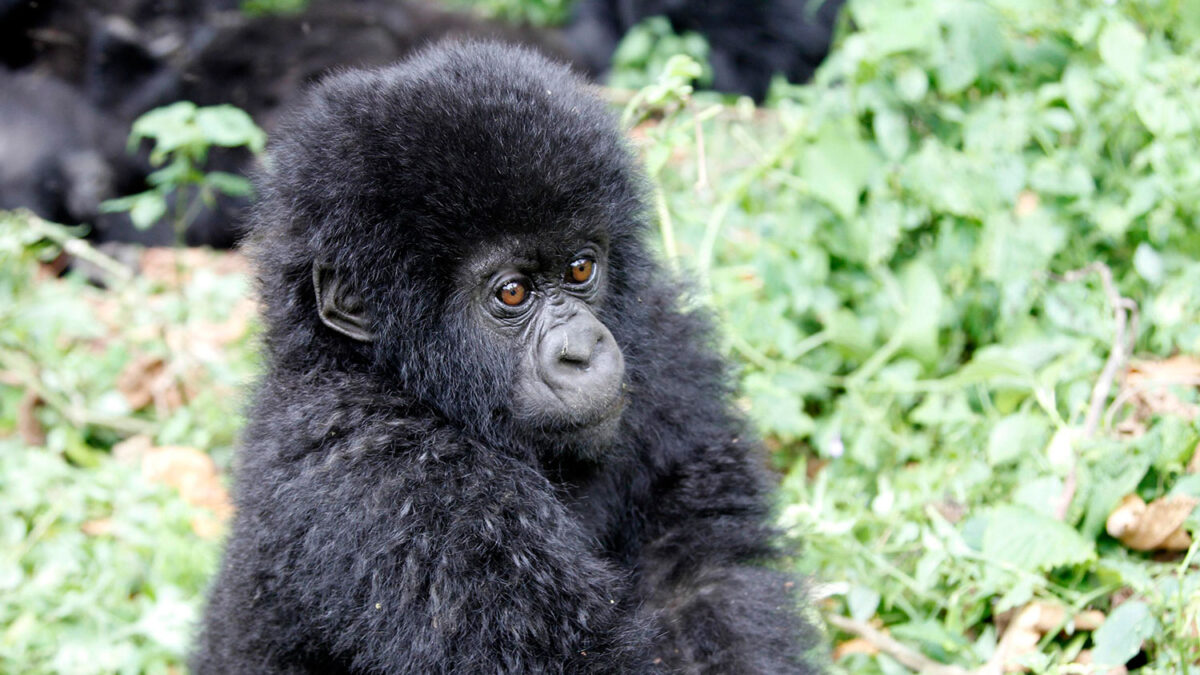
(1027, 203)
(195, 476)
(1194, 465)
(1180, 369)
(1020, 638)
(130, 450)
(854, 646)
(1156, 526)
(1025, 628)
(29, 428)
(1089, 619)
(1147, 384)
(147, 379)
(97, 527)
(137, 380)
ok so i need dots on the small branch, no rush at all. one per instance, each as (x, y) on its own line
(701, 157)
(1125, 320)
(75, 246)
(907, 656)
(666, 226)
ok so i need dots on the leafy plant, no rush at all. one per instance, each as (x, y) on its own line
(647, 50)
(532, 12)
(182, 136)
(261, 7)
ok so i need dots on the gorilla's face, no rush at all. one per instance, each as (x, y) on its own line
(527, 306)
(539, 304)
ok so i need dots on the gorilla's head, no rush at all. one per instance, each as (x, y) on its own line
(465, 228)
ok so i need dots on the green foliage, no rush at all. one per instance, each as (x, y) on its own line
(100, 570)
(120, 599)
(883, 246)
(649, 49)
(262, 7)
(532, 12)
(183, 134)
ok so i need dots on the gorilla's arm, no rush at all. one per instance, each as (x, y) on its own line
(431, 555)
(708, 559)
(705, 563)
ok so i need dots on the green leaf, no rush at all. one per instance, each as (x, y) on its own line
(863, 602)
(923, 301)
(1031, 541)
(148, 209)
(1149, 264)
(891, 132)
(911, 84)
(1016, 436)
(1122, 48)
(228, 183)
(974, 45)
(229, 126)
(1120, 638)
(837, 167)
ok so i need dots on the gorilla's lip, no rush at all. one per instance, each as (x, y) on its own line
(599, 417)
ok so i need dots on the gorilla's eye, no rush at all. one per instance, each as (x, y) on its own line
(513, 293)
(581, 270)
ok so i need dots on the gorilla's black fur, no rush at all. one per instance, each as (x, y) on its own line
(391, 515)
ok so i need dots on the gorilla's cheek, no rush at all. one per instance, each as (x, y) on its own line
(571, 376)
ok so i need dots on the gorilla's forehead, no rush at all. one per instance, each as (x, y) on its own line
(530, 252)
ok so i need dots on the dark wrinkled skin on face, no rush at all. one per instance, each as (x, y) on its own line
(432, 480)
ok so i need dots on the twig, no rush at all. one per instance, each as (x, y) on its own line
(907, 656)
(1125, 319)
(701, 157)
(74, 414)
(1127, 393)
(75, 246)
(666, 226)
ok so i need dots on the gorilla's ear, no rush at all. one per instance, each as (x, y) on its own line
(340, 309)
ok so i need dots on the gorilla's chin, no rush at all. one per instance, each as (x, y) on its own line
(584, 436)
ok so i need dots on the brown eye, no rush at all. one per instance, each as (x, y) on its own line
(581, 270)
(513, 293)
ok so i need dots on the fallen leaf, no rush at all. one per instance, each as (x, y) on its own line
(195, 476)
(97, 527)
(137, 380)
(1019, 639)
(1156, 526)
(29, 428)
(1027, 203)
(1179, 369)
(1089, 619)
(1147, 385)
(1194, 465)
(147, 379)
(854, 646)
(130, 450)
(1026, 627)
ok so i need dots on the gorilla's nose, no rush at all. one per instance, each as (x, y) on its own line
(583, 365)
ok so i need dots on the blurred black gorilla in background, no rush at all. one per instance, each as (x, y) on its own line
(121, 58)
(116, 59)
(489, 437)
(749, 40)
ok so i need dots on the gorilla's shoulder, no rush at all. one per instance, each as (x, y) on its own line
(323, 410)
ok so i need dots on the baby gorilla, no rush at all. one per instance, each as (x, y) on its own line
(489, 437)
